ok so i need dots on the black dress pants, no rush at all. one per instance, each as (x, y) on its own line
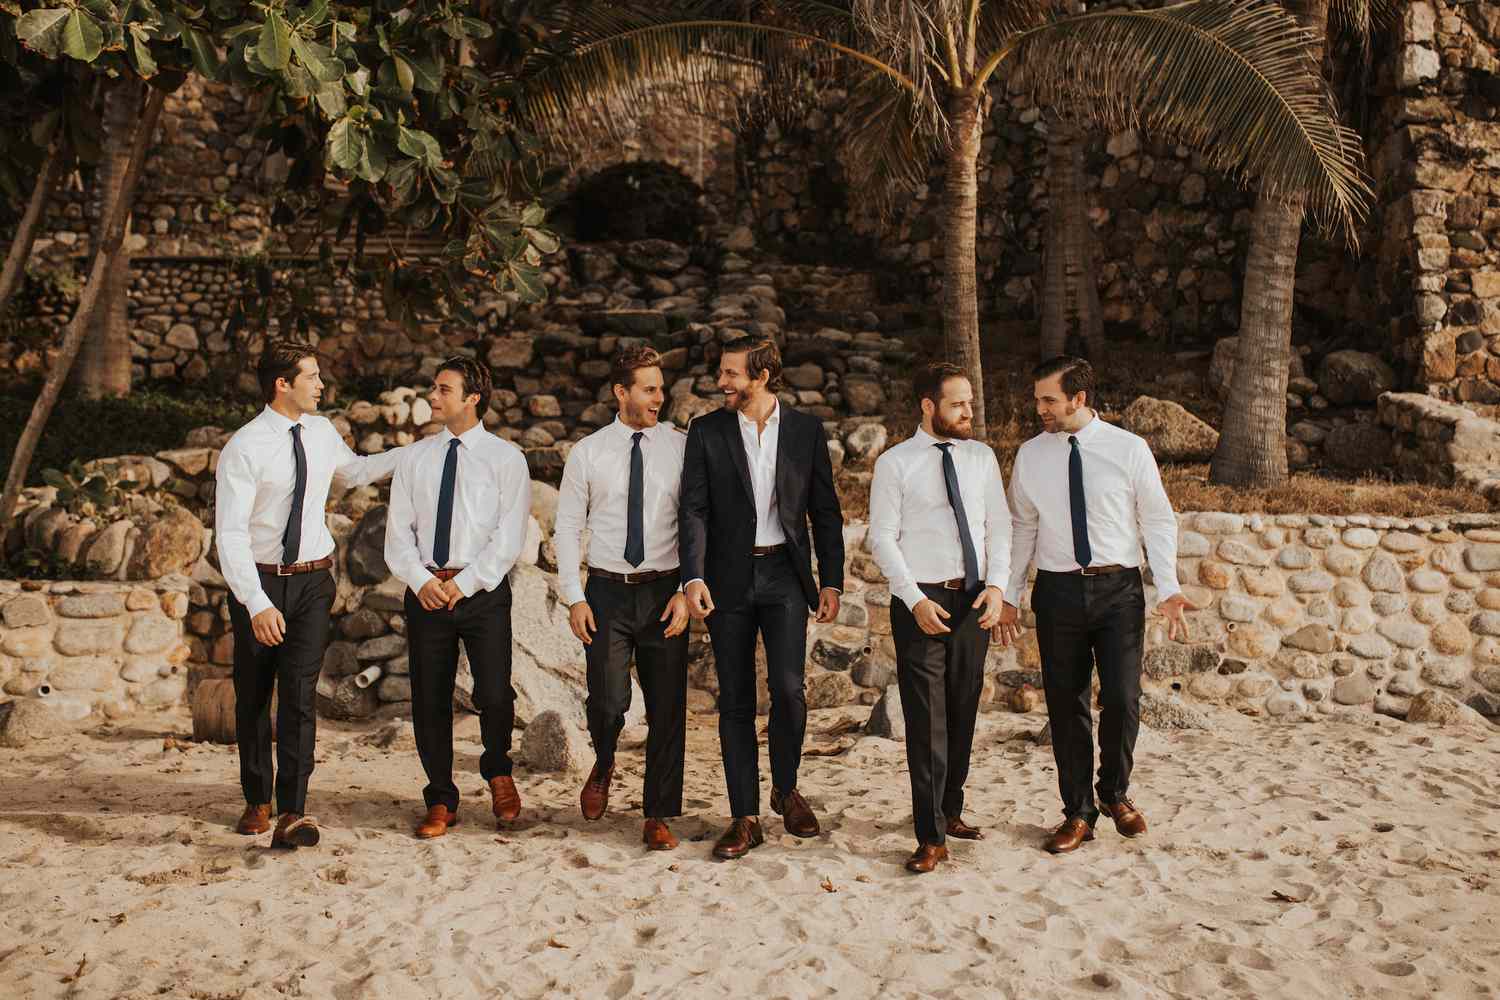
(1082, 621)
(940, 677)
(628, 616)
(776, 608)
(483, 623)
(305, 601)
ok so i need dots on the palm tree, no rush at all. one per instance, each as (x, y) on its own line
(1252, 441)
(1230, 77)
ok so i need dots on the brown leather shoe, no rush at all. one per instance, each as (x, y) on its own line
(295, 830)
(1069, 836)
(255, 819)
(1128, 819)
(963, 831)
(743, 835)
(505, 801)
(926, 857)
(795, 813)
(439, 818)
(594, 799)
(657, 837)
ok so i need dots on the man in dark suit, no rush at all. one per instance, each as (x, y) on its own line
(753, 476)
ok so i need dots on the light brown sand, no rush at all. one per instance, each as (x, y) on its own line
(1346, 859)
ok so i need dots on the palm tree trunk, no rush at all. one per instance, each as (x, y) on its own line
(104, 364)
(113, 228)
(1252, 441)
(960, 295)
(30, 224)
(1070, 287)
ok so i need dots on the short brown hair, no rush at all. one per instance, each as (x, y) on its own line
(476, 376)
(1077, 375)
(930, 380)
(629, 361)
(281, 359)
(761, 355)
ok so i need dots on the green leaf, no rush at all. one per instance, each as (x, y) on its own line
(331, 100)
(345, 145)
(54, 478)
(320, 61)
(372, 164)
(428, 74)
(402, 177)
(402, 71)
(141, 57)
(275, 47)
(527, 281)
(82, 37)
(544, 240)
(533, 215)
(42, 31)
(476, 28)
(419, 145)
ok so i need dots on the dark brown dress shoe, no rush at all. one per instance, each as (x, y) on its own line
(797, 816)
(963, 831)
(657, 837)
(1069, 836)
(743, 835)
(505, 801)
(926, 857)
(594, 799)
(254, 820)
(295, 830)
(439, 818)
(1128, 819)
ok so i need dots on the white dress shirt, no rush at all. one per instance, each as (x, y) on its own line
(595, 495)
(491, 509)
(256, 477)
(913, 528)
(1123, 496)
(760, 453)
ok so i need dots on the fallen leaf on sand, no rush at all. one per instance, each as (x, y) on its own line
(1283, 897)
(827, 884)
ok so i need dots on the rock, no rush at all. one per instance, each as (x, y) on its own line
(874, 672)
(840, 648)
(863, 396)
(681, 409)
(29, 720)
(394, 688)
(1283, 703)
(552, 743)
(1347, 377)
(26, 610)
(511, 352)
(1173, 433)
(380, 648)
(163, 693)
(362, 624)
(804, 376)
(885, 718)
(172, 543)
(107, 549)
(829, 690)
(340, 660)
(151, 633)
(1160, 712)
(1314, 638)
(866, 442)
(1356, 689)
(544, 497)
(102, 605)
(88, 638)
(367, 548)
(344, 699)
(1443, 710)
(1358, 447)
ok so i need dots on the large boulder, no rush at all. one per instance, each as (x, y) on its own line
(28, 720)
(1347, 377)
(172, 543)
(554, 743)
(885, 718)
(1221, 366)
(367, 549)
(1160, 712)
(1443, 710)
(1173, 433)
(1358, 447)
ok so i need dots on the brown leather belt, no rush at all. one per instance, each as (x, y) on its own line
(646, 576)
(957, 583)
(446, 574)
(765, 550)
(292, 569)
(1098, 570)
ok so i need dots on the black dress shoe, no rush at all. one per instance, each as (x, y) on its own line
(743, 835)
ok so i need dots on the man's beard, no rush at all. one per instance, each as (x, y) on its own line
(956, 431)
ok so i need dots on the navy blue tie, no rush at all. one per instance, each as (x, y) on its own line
(635, 528)
(291, 538)
(1081, 550)
(445, 506)
(956, 501)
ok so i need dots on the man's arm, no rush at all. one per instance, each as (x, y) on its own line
(567, 531)
(826, 515)
(1024, 520)
(885, 531)
(401, 552)
(361, 470)
(996, 527)
(1158, 523)
(503, 547)
(692, 505)
(234, 498)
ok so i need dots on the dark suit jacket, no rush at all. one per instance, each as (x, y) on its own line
(717, 510)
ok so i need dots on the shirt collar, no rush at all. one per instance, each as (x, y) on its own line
(280, 420)
(774, 418)
(469, 437)
(927, 440)
(1089, 429)
(622, 427)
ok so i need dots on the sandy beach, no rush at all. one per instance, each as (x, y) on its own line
(1346, 859)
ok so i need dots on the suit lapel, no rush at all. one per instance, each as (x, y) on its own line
(736, 446)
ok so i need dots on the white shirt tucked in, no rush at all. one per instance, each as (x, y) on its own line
(256, 478)
(913, 527)
(491, 509)
(595, 495)
(1123, 497)
(760, 453)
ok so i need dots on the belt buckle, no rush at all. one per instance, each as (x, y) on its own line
(950, 585)
(632, 578)
(283, 569)
(1089, 571)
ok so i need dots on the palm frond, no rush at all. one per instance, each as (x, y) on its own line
(882, 154)
(1360, 18)
(1231, 78)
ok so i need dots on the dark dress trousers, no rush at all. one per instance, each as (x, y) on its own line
(770, 594)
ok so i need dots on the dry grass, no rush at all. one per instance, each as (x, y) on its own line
(1317, 493)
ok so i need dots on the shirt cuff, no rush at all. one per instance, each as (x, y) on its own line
(467, 581)
(696, 579)
(258, 602)
(910, 596)
(572, 593)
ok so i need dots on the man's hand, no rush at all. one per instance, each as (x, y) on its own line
(581, 621)
(1174, 609)
(676, 616)
(1008, 629)
(992, 600)
(431, 596)
(700, 602)
(930, 616)
(451, 594)
(269, 627)
(828, 604)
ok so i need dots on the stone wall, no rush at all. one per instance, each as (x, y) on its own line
(94, 648)
(1445, 443)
